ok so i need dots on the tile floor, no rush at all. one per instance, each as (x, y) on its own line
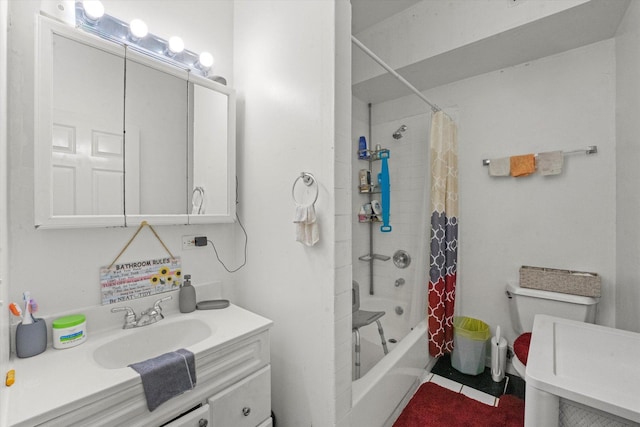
(479, 387)
(471, 392)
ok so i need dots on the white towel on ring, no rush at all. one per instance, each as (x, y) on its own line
(306, 226)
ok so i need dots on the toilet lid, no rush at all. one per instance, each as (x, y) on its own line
(521, 347)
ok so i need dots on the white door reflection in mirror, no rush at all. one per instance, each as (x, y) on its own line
(86, 147)
(87, 167)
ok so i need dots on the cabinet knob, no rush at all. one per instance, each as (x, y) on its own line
(203, 422)
(246, 411)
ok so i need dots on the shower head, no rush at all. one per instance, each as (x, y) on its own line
(398, 134)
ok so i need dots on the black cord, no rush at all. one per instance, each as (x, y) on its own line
(246, 240)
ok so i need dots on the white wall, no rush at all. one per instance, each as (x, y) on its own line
(286, 58)
(60, 267)
(565, 102)
(4, 292)
(343, 214)
(628, 174)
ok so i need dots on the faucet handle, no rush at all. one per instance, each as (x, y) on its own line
(156, 305)
(129, 317)
(128, 309)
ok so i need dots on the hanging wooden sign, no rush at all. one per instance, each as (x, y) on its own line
(129, 280)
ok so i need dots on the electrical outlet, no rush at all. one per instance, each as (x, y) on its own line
(188, 242)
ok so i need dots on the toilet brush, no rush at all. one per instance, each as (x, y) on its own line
(498, 356)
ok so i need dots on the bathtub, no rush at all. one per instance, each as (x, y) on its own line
(395, 325)
(385, 388)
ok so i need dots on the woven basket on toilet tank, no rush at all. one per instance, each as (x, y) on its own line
(565, 281)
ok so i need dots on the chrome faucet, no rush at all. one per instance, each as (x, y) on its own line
(147, 317)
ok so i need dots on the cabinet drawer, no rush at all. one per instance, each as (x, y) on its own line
(195, 418)
(244, 404)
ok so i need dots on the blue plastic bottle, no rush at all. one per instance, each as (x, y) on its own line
(362, 148)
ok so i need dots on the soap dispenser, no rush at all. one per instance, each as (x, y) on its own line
(187, 296)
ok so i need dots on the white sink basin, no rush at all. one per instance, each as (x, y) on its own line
(139, 344)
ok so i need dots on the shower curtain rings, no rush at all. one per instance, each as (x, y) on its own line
(308, 179)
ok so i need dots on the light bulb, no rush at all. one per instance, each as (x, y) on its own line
(93, 9)
(206, 59)
(138, 28)
(176, 45)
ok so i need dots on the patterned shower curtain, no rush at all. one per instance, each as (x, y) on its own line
(444, 233)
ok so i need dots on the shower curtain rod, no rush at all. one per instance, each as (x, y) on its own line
(393, 72)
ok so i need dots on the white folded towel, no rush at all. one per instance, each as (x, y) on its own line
(306, 226)
(500, 167)
(550, 163)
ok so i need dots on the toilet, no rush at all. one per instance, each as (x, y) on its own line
(525, 303)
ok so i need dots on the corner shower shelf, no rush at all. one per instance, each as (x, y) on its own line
(374, 190)
(371, 257)
(370, 218)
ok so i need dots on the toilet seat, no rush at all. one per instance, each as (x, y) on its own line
(521, 353)
(518, 366)
(521, 347)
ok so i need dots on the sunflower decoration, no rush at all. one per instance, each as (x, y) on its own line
(169, 280)
(177, 279)
(164, 271)
(155, 279)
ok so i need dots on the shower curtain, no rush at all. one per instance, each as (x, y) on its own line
(444, 233)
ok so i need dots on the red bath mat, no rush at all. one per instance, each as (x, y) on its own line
(436, 406)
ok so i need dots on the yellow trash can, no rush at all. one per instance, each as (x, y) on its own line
(469, 345)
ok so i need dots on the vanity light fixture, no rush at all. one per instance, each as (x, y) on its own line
(91, 18)
(93, 10)
(137, 29)
(175, 46)
(205, 62)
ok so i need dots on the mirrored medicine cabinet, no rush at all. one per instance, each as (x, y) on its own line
(122, 137)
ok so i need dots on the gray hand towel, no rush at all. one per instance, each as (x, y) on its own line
(166, 376)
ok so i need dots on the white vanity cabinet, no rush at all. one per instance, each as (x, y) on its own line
(245, 404)
(233, 387)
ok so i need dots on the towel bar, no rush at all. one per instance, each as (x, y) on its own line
(591, 149)
(308, 179)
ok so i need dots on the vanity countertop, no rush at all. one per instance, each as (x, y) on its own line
(56, 381)
(591, 364)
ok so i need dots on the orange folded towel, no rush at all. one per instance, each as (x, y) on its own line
(523, 165)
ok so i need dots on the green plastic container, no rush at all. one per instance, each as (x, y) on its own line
(69, 331)
(470, 338)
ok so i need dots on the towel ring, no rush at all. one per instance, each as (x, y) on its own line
(308, 179)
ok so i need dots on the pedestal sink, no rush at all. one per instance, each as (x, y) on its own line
(135, 345)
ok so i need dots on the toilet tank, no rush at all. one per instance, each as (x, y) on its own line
(525, 303)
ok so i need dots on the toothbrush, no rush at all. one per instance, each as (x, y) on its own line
(33, 307)
(15, 309)
(27, 318)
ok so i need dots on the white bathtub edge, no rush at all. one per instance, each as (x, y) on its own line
(400, 371)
